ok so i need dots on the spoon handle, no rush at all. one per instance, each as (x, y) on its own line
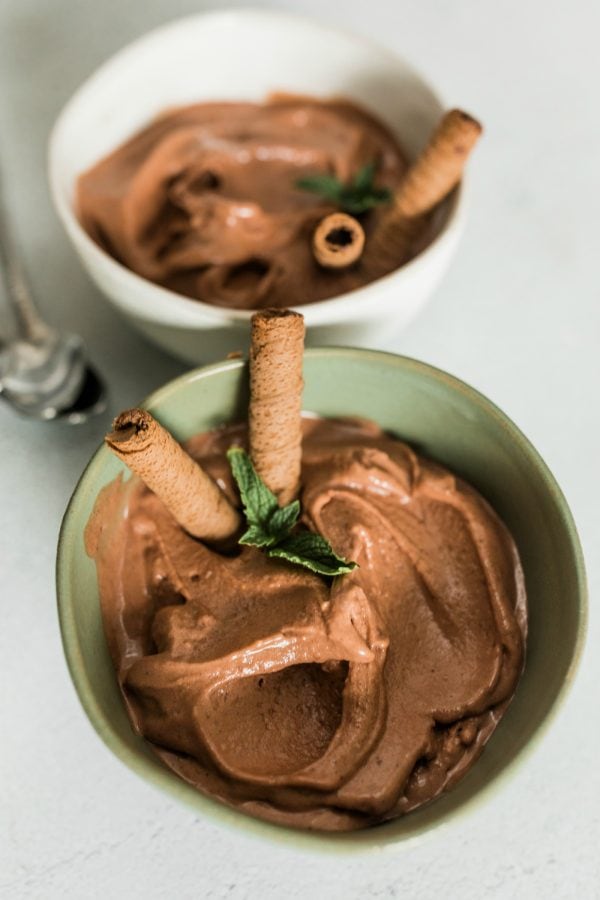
(30, 325)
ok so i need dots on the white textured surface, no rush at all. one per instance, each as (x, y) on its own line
(518, 317)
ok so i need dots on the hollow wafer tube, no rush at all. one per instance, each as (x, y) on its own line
(274, 415)
(338, 241)
(193, 498)
(439, 167)
(435, 172)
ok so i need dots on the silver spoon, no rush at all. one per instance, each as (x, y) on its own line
(43, 374)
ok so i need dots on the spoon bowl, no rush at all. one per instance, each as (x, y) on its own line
(51, 379)
(43, 373)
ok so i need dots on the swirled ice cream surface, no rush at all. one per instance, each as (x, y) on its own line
(205, 200)
(319, 703)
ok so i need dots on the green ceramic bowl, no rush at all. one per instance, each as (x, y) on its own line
(446, 420)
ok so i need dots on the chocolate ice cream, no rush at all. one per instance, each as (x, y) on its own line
(205, 199)
(319, 703)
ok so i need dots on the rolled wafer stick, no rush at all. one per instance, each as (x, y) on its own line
(192, 497)
(435, 172)
(274, 415)
(439, 167)
(338, 241)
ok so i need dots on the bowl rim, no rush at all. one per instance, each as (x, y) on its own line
(377, 837)
(169, 304)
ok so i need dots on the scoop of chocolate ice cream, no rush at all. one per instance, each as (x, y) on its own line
(205, 201)
(311, 702)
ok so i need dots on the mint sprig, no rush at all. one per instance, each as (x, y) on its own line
(267, 522)
(272, 526)
(357, 197)
(312, 551)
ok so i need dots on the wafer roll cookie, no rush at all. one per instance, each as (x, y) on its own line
(191, 496)
(274, 416)
(338, 241)
(435, 172)
(439, 167)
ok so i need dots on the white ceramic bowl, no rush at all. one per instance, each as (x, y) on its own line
(246, 55)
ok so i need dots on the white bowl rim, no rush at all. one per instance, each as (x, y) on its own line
(173, 308)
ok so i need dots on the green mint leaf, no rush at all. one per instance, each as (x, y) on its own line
(284, 518)
(256, 536)
(355, 198)
(259, 502)
(326, 185)
(370, 199)
(363, 180)
(312, 551)
(270, 525)
(267, 522)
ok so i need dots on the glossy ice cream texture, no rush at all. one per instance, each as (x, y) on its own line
(309, 702)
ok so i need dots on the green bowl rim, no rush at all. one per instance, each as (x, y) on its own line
(350, 842)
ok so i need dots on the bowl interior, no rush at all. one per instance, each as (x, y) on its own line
(444, 419)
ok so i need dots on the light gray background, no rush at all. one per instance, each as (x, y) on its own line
(518, 317)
